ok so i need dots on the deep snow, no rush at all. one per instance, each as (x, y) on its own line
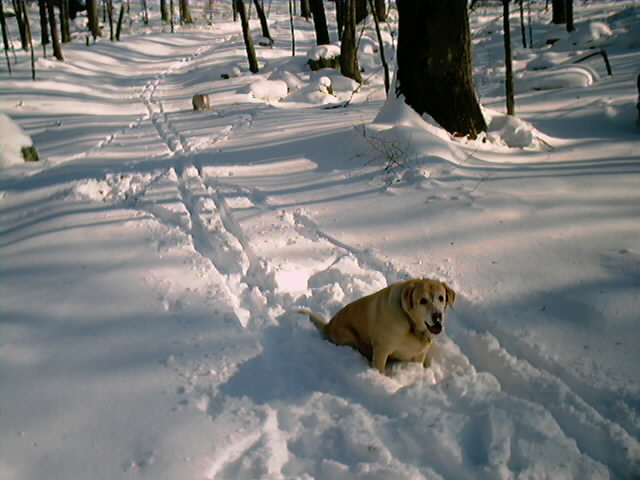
(151, 262)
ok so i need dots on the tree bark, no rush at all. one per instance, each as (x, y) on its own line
(319, 22)
(434, 64)
(361, 10)
(55, 39)
(185, 12)
(380, 10)
(246, 33)
(348, 48)
(94, 19)
(19, 8)
(559, 12)
(65, 33)
(44, 26)
(164, 11)
(383, 60)
(5, 37)
(305, 9)
(264, 25)
(507, 58)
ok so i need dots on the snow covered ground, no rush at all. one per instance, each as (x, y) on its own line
(149, 264)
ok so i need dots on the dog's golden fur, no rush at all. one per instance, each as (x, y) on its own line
(397, 322)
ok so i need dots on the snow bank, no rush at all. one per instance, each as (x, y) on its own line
(269, 91)
(565, 76)
(12, 140)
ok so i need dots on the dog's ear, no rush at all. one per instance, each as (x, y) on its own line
(451, 295)
(406, 296)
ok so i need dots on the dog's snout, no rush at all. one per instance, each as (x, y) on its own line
(437, 316)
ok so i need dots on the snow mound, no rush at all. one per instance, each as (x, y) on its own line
(565, 76)
(12, 141)
(269, 91)
(342, 282)
(326, 52)
(293, 81)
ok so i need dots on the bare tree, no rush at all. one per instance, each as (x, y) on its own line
(164, 11)
(65, 32)
(507, 58)
(320, 22)
(44, 27)
(19, 8)
(5, 36)
(246, 33)
(348, 48)
(264, 25)
(434, 64)
(94, 19)
(385, 66)
(185, 12)
(55, 39)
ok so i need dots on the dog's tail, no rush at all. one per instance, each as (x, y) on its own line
(315, 318)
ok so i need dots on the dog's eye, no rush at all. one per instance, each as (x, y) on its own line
(423, 301)
(441, 298)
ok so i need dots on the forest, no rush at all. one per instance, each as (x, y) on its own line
(179, 177)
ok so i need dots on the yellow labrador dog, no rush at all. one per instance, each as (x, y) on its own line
(397, 322)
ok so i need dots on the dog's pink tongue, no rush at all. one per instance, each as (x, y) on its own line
(436, 329)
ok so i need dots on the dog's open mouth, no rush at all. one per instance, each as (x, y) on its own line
(436, 328)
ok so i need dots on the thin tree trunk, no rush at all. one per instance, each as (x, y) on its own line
(19, 8)
(65, 33)
(94, 21)
(507, 58)
(171, 14)
(246, 33)
(264, 25)
(27, 26)
(112, 33)
(385, 66)
(293, 30)
(569, 13)
(164, 11)
(5, 37)
(305, 10)
(348, 48)
(120, 19)
(145, 12)
(55, 40)
(380, 10)
(522, 25)
(320, 22)
(44, 27)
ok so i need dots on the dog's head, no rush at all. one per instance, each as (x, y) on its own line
(425, 302)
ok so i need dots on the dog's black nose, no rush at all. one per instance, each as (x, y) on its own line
(437, 317)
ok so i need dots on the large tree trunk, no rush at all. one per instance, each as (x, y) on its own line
(434, 64)
(559, 12)
(348, 48)
(164, 11)
(320, 22)
(246, 33)
(185, 12)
